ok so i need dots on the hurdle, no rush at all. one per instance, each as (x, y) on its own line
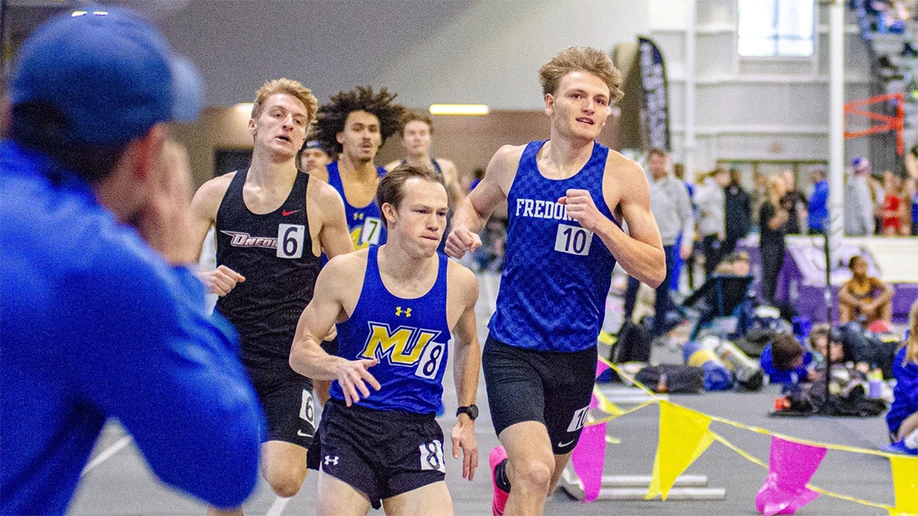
(634, 487)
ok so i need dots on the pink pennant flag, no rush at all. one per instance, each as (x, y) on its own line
(589, 459)
(789, 469)
(600, 368)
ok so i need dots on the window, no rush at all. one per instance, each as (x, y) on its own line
(776, 28)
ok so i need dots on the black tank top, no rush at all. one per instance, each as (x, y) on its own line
(274, 253)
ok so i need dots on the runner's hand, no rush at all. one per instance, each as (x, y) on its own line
(463, 436)
(581, 208)
(221, 280)
(353, 378)
(461, 240)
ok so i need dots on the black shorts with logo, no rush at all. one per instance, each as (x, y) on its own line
(382, 453)
(289, 410)
(552, 388)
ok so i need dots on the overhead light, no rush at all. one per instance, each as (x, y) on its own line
(75, 14)
(244, 107)
(459, 109)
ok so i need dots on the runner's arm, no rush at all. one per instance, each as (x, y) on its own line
(640, 252)
(334, 236)
(307, 356)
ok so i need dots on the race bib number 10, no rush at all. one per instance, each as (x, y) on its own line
(573, 240)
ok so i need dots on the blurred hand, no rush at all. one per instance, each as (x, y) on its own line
(165, 221)
(221, 280)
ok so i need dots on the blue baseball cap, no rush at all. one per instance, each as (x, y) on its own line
(112, 76)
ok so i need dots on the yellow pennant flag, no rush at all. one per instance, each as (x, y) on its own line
(905, 485)
(684, 436)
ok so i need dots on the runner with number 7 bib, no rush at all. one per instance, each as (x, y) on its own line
(567, 197)
(396, 307)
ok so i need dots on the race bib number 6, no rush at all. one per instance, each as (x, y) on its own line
(573, 240)
(290, 240)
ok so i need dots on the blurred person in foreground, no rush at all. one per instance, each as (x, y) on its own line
(101, 317)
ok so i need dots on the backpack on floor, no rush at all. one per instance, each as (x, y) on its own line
(672, 378)
(633, 345)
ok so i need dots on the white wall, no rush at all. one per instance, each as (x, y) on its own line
(484, 51)
(752, 109)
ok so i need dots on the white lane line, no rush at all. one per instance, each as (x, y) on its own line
(278, 506)
(107, 454)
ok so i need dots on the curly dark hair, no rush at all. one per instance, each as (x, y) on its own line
(332, 116)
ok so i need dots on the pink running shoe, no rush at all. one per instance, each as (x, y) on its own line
(497, 455)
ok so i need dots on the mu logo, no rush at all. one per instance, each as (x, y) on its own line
(404, 346)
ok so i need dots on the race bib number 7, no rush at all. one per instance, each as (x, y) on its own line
(369, 235)
(573, 240)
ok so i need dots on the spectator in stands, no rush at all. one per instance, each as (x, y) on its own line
(794, 202)
(826, 344)
(710, 203)
(818, 213)
(913, 195)
(858, 205)
(678, 261)
(773, 217)
(737, 212)
(757, 197)
(902, 418)
(669, 203)
(865, 298)
(892, 207)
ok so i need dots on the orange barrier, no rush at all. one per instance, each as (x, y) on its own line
(889, 123)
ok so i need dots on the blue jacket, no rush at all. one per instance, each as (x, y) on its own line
(905, 401)
(819, 206)
(784, 376)
(95, 324)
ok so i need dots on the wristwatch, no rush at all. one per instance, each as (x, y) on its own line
(471, 411)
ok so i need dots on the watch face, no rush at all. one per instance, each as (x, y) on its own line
(471, 411)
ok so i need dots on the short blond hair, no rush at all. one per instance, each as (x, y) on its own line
(586, 59)
(290, 87)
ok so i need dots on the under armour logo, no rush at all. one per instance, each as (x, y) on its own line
(358, 216)
(399, 311)
(330, 460)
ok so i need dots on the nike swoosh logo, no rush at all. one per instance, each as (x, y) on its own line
(564, 445)
(301, 434)
(286, 213)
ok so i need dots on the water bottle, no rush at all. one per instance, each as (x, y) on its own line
(875, 385)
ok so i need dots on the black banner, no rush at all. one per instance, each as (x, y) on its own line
(655, 103)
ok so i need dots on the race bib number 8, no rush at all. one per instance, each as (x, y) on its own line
(369, 235)
(432, 457)
(573, 240)
(290, 240)
(430, 361)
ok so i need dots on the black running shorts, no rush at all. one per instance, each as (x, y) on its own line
(549, 387)
(290, 411)
(381, 453)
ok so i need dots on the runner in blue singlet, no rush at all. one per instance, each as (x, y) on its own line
(567, 197)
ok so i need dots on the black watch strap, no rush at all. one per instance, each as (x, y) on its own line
(469, 410)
